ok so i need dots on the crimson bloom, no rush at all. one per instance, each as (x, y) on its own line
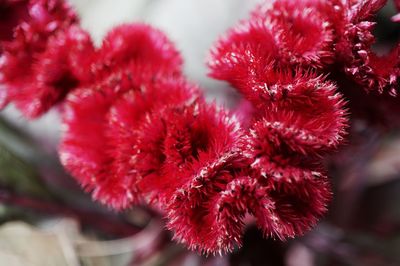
(273, 60)
(354, 47)
(135, 74)
(139, 43)
(36, 66)
(102, 147)
(136, 131)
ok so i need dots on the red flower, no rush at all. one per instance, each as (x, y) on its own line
(299, 201)
(301, 29)
(138, 43)
(192, 211)
(35, 66)
(136, 74)
(208, 215)
(191, 134)
(297, 116)
(305, 112)
(354, 33)
(310, 33)
(287, 33)
(103, 129)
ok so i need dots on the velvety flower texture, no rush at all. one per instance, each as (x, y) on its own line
(276, 60)
(136, 72)
(35, 67)
(137, 132)
(354, 30)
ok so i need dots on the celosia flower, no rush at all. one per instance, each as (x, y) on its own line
(289, 33)
(301, 30)
(192, 212)
(57, 72)
(297, 115)
(298, 201)
(37, 51)
(139, 43)
(101, 145)
(208, 215)
(190, 133)
(354, 41)
(136, 131)
(305, 112)
(136, 74)
(311, 33)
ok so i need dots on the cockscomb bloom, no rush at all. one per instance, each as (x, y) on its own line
(36, 67)
(319, 33)
(140, 133)
(136, 71)
(215, 161)
(136, 131)
(102, 144)
(273, 60)
(354, 47)
(301, 31)
(137, 43)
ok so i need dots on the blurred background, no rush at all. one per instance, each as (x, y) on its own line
(46, 219)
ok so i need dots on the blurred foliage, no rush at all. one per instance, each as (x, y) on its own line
(20, 176)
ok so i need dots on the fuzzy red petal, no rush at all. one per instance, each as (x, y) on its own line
(354, 47)
(296, 117)
(137, 125)
(102, 124)
(299, 201)
(140, 44)
(30, 60)
(301, 29)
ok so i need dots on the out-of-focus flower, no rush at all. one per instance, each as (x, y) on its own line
(35, 67)
(396, 18)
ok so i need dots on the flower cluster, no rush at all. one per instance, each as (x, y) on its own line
(137, 132)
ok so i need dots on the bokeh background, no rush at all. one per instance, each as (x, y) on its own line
(46, 219)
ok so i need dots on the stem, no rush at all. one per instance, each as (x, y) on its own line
(105, 222)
